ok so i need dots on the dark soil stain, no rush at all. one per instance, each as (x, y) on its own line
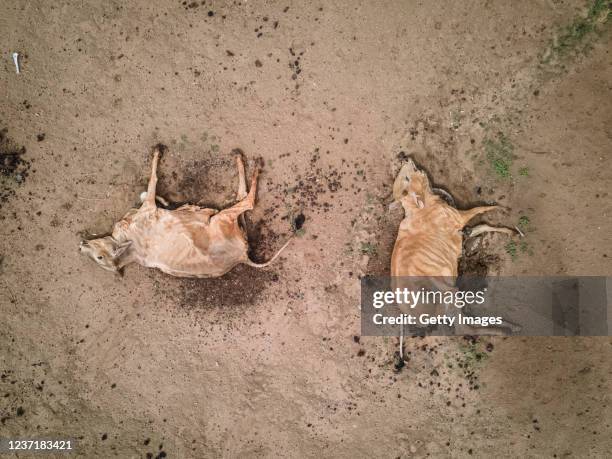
(14, 169)
(263, 242)
(298, 222)
(242, 286)
(314, 189)
(295, 63)
(207, 182)
(475, 261)
(379, 263)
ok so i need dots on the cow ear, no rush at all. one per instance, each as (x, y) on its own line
(419, 199)
(121, 248)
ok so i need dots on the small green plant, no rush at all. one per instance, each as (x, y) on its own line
(572, 38)
(472, 354)
(500, 153)
(512, 250)
(524, 171)
(368, 248)
(300, 233)
(523, 222)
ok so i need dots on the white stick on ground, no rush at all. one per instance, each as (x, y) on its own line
(16, 61)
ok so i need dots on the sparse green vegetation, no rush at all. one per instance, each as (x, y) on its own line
(500, 153)
(472, 354)
(524, 171)
(368, 248)
(572, 38)
(300, 233)
(512, 250)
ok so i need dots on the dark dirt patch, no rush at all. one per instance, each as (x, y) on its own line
(475, 260)
(14, 168)
(379, 263)
(314, 189)
(208, 182)
(242, 286)
(298, 222)
(263, 242)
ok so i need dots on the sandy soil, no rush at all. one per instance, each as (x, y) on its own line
(270, 362)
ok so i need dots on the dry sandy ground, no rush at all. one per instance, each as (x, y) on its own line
(270, 362)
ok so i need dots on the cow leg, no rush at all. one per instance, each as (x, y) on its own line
(479, 229)
(242, 189)
(158, 198)
(149, 199)
(467, 215)
(245, 204)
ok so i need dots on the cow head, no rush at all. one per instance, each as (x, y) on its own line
(411, 186)
(105, 251)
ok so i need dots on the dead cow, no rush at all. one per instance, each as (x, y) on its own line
(430, 236)
(190, 241)
(429, 240)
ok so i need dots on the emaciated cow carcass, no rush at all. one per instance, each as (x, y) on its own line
(430, 237)
(190, 241)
